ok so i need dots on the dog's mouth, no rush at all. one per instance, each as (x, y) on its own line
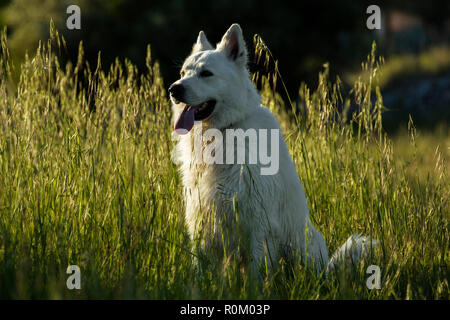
(191, 113)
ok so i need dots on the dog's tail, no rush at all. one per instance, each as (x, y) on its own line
(352, 252)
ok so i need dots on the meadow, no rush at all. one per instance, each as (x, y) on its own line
(86, 179)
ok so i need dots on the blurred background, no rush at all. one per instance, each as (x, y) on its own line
(302, 35)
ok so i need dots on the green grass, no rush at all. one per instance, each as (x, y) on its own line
(434, 61)
(97, 188)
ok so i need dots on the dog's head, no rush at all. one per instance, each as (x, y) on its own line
(215, 86)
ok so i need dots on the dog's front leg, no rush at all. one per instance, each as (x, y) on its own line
(265, 254)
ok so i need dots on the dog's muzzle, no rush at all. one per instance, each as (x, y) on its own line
(177, 92)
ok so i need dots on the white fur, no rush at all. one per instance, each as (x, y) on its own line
(271, 209)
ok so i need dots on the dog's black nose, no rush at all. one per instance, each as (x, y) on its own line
(177, 91)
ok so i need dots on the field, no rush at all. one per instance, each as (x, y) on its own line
(86, 179)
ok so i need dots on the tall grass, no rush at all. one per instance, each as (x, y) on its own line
(86, 178)
(434, 61)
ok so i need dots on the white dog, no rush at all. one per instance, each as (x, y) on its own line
(230, 204)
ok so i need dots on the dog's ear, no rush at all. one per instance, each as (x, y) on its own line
(233, 45)
(202, 43)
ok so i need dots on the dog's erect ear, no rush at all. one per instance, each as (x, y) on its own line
(233, 45)
(202, 43)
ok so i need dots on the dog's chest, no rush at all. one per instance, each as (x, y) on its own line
(206, 186)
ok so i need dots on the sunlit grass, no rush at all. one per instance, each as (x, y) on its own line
(86, 178)
(433, 61)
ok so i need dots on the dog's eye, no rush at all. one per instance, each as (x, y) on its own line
(182, 73)
(206, 73)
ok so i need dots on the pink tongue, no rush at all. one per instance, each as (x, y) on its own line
(186, 120)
